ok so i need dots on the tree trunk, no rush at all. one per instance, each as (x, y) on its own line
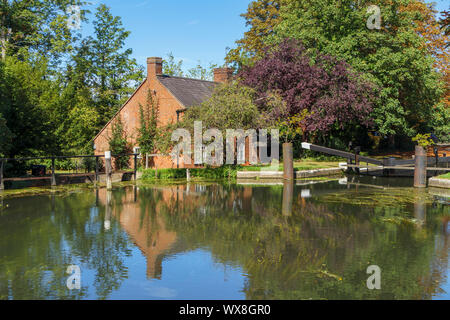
(392, 142)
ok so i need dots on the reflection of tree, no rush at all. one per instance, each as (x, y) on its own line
(320, 250)
(43, 243)
(307, 254)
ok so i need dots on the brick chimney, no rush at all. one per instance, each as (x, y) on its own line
(223, 75)
(154, 67)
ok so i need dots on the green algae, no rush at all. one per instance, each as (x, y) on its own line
(392, 197)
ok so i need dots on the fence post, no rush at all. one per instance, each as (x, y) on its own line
(146, 161)
(108, 169)
(135, 167)
(357, 153)
(436, 157)
(96, 170)
(349, 162)
(2, 185)
(53, 183)
(420, 170)
(188, 175)
(288, 161)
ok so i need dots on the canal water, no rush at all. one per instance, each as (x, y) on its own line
(302, 240)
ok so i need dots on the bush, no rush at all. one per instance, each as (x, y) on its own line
(164, 174)
(224, 172)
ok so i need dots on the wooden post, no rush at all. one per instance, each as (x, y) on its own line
(108, 213)
(108, 168)
(420, 171)
(357, 152)
(388, 162)
(188, 175)
(436, 157)
(53, 183)
(2, 185)
(135, 167)
(96, 170)
(146, 161)
(349, 162)
(288, 197)
(288, 161)
(420, 207)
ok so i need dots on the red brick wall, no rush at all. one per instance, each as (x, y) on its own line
(129, 114)
(168, 105)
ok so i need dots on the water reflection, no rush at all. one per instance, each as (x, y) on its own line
(289, 241)
(288, 197)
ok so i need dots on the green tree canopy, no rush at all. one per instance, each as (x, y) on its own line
(114, 74)
(38, 26)
(173, 67)
(231, 106)
(394, 57)
(26, 103)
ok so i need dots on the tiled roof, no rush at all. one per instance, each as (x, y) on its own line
(189, 92)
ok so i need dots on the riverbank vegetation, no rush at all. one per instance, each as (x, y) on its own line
(228, 171)
(224, 172)
(445, 176)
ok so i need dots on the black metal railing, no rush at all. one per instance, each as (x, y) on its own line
(53, 168)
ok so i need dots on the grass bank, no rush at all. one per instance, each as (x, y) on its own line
(445, 176)
(300, 165)
(225, 172)
(229, 171)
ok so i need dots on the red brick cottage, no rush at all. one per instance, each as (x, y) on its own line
(175, 95)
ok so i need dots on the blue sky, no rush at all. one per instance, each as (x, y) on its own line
(191, 29)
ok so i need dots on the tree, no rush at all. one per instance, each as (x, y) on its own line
(75, 117)
(5, 137)
(333, 95)
(56, 92)
(115, 75)
(148, 131)
(436, 37)
(445, 22)
(261, 16)
(202, 73)
(172, 67)
(36, 26)
(429, 28)
(118, 144)
(231, 106)
(395, 57)
(26, 103)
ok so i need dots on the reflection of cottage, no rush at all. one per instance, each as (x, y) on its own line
(146, 226)
(175, 95)
(149, 235)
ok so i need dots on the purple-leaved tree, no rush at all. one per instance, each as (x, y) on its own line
(332, 93)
